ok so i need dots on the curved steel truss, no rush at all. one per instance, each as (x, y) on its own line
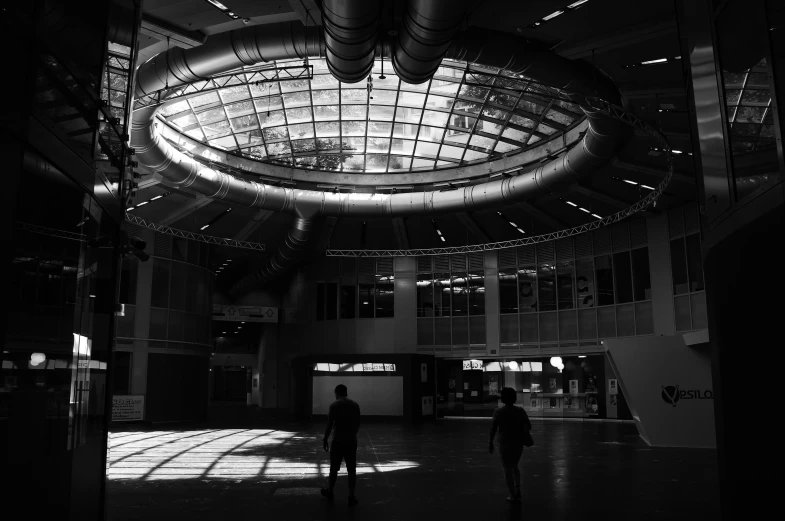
(211, 239)
(589, 103)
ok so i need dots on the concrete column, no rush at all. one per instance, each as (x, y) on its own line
(405, 336)
(491, 264)
(661, 278)
(268, 366)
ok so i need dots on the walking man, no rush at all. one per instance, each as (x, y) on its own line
(344, 418)
(513, 425)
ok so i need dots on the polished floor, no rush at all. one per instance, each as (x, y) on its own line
(273, 469)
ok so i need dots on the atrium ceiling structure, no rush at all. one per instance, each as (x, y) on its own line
(490, 117)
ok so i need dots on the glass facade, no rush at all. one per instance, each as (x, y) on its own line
(555, 387)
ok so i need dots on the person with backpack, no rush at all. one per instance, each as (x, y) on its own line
(513, 425)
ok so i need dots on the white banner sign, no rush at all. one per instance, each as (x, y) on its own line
(613, 387)
(233, 313)
(127, 408)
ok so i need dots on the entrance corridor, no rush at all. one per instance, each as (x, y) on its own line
(273, 469)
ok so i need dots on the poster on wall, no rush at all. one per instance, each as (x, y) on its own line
(127, 408)
(614, 400)
(493, 385)
(567, 401)
(592, 407)
(552, 383)
(553, 403)
(535, 403)
(591, 385)
(573, 387)
(613, 387)
(423, 373)
(451, 384)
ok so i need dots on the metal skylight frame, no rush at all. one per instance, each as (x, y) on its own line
(467, 77)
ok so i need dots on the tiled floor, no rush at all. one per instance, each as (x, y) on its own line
(272, 470)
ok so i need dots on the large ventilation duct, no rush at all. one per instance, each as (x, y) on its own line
(293, 250)
(350, 37)
(226, 51)
(426, 33)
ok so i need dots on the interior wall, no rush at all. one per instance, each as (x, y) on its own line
(177, 387)
(377, 395)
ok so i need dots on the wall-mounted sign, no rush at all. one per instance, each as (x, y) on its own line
(613, 387)
(348, 367)
(469, 365)
(127, 408)
(378, 367)
(234, 313)
(389, 367)
(573, 387)
(367, 367)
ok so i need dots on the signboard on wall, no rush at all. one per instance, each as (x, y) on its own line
(234, 313)
(127, 408)
(469, 365)
(613, 387)
(573, 387)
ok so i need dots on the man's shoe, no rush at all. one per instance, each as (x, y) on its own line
(352, 501)
(328, 494)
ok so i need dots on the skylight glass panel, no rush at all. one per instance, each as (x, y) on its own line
(326, 124)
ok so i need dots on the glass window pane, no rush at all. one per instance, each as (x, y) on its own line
(442, 334)
(549, 329)
(546, 287)
(681, 307)
(527, 289)
(425, 331)
(441, 294)
(477, 330)
(698, 308)
(587, 324)
(604, 276)
(568, 326)
(565, 277)
(641, 278)
(366, 301)
(622, 277)
(508, 292)
(694, 262)
(348, 301)
(508, 329)
(625, 320)
(476, 293)
(385, 296)
(679, 266)
(529, 328)
(606, 322)
(424, 295)
(584, 283)
(644, 321)
(460, 331)
(460, 301)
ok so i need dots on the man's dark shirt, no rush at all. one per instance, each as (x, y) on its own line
(344, 416)
(512, 423)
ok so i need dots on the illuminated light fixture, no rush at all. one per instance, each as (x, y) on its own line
(37, 359)
(630, 182)
(228, 260)
(513, 366)
(647, 187)
(365, 303)
(156, 197)
(438, 231)
(204, 227)
(225, 10)
(577, 4)
(552, 16)
(141, 204)
(677, 151)
(584, 210)
(242, 322)
(520, 230)
(581, 356)
(570, 7)
(570, 203)
(597, 216)
(658, 60)
(130, 208)
(216, 219)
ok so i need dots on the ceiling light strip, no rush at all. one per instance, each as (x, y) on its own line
(547, 18)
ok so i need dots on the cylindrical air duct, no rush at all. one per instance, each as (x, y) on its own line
(350, 30)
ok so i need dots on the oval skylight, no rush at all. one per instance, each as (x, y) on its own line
(464, 115)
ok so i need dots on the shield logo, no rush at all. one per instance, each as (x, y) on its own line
(670, 394)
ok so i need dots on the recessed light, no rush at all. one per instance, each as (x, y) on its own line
(570, 203)
(552, 15)
(658, 60)
(204, 227)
